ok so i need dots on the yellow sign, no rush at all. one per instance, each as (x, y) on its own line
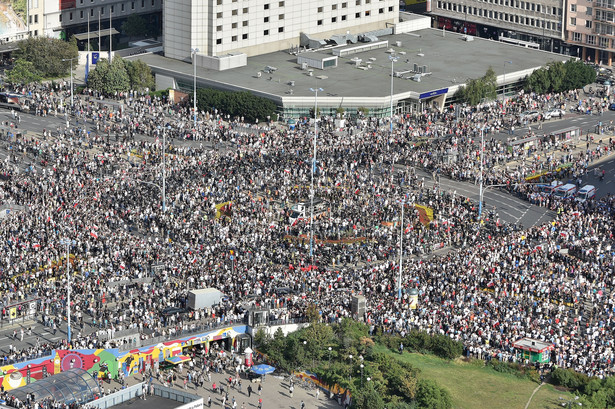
(13, 312)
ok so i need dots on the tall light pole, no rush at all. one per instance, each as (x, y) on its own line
(315, 91)
(194, 51)
(401, 249)
(393, 61)
(164, 170)
(504, 80)
(480, 191)
(68, 285)
(329, 356)
(362, 375)
(71, 78)
(350, 370)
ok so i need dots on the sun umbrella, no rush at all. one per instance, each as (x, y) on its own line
(262, 369)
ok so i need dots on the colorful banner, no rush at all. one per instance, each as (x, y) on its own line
(425, 214)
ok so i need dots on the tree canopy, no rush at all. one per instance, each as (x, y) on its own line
(23, 73)
(120, 75)
(344, 354)
(559, 77)
(476, 90)
(135, 25)
(50, 57)
(245, 104)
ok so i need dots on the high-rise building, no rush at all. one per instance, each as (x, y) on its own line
(254, 27)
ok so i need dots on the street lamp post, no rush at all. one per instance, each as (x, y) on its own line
(480, 191)
(401, 250)
(362, 375)
(71, 78)
(194, 51)
(329, 356)
(315, 91)
(504, 80)
(350, 370)
(393, 61)
(68, 288)
(164, 174)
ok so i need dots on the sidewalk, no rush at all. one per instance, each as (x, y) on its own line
(579, 146)
(275, 393)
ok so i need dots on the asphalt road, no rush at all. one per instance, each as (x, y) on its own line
(510, 208)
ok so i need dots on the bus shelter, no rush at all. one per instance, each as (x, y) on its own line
(566, 134)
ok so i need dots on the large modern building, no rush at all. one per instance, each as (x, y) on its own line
(409, 67)
(234, 29)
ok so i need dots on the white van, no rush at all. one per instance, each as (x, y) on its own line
(586, 193)
(565, 192)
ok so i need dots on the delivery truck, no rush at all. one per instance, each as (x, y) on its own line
(204, 298)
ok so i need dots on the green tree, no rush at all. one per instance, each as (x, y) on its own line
(577, 75)
(140, 75)
(539, 81)
(109, 78)
(236, 104)
(490, 84)
(430, 396)
(557, 74)
(97, 77)
(23, 73)
(135, 25)
(49, 56)
(19, 6)
(367, 398)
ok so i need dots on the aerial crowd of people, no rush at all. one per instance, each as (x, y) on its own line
(94, 188)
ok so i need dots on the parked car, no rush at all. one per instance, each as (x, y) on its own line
(554, 113)
(529, 115)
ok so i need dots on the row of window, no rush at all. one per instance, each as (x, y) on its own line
(498, 15)
(590, 39)
(246, 10)
(245, 36)
(588, 10)
(267, 6)
(526, 5)
(320, 22)
(101, 10)
(573, 22)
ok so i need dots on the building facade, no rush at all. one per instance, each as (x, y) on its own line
(536, 24)
(590, 28)
(254, 27)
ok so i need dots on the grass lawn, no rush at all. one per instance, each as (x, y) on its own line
(473, 386)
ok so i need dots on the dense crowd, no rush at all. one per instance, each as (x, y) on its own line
(91, 193)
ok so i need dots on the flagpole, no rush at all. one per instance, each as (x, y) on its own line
(110, 29)
(99, 32)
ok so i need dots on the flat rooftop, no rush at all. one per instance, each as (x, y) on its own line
(152, 402)
(449, 59)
